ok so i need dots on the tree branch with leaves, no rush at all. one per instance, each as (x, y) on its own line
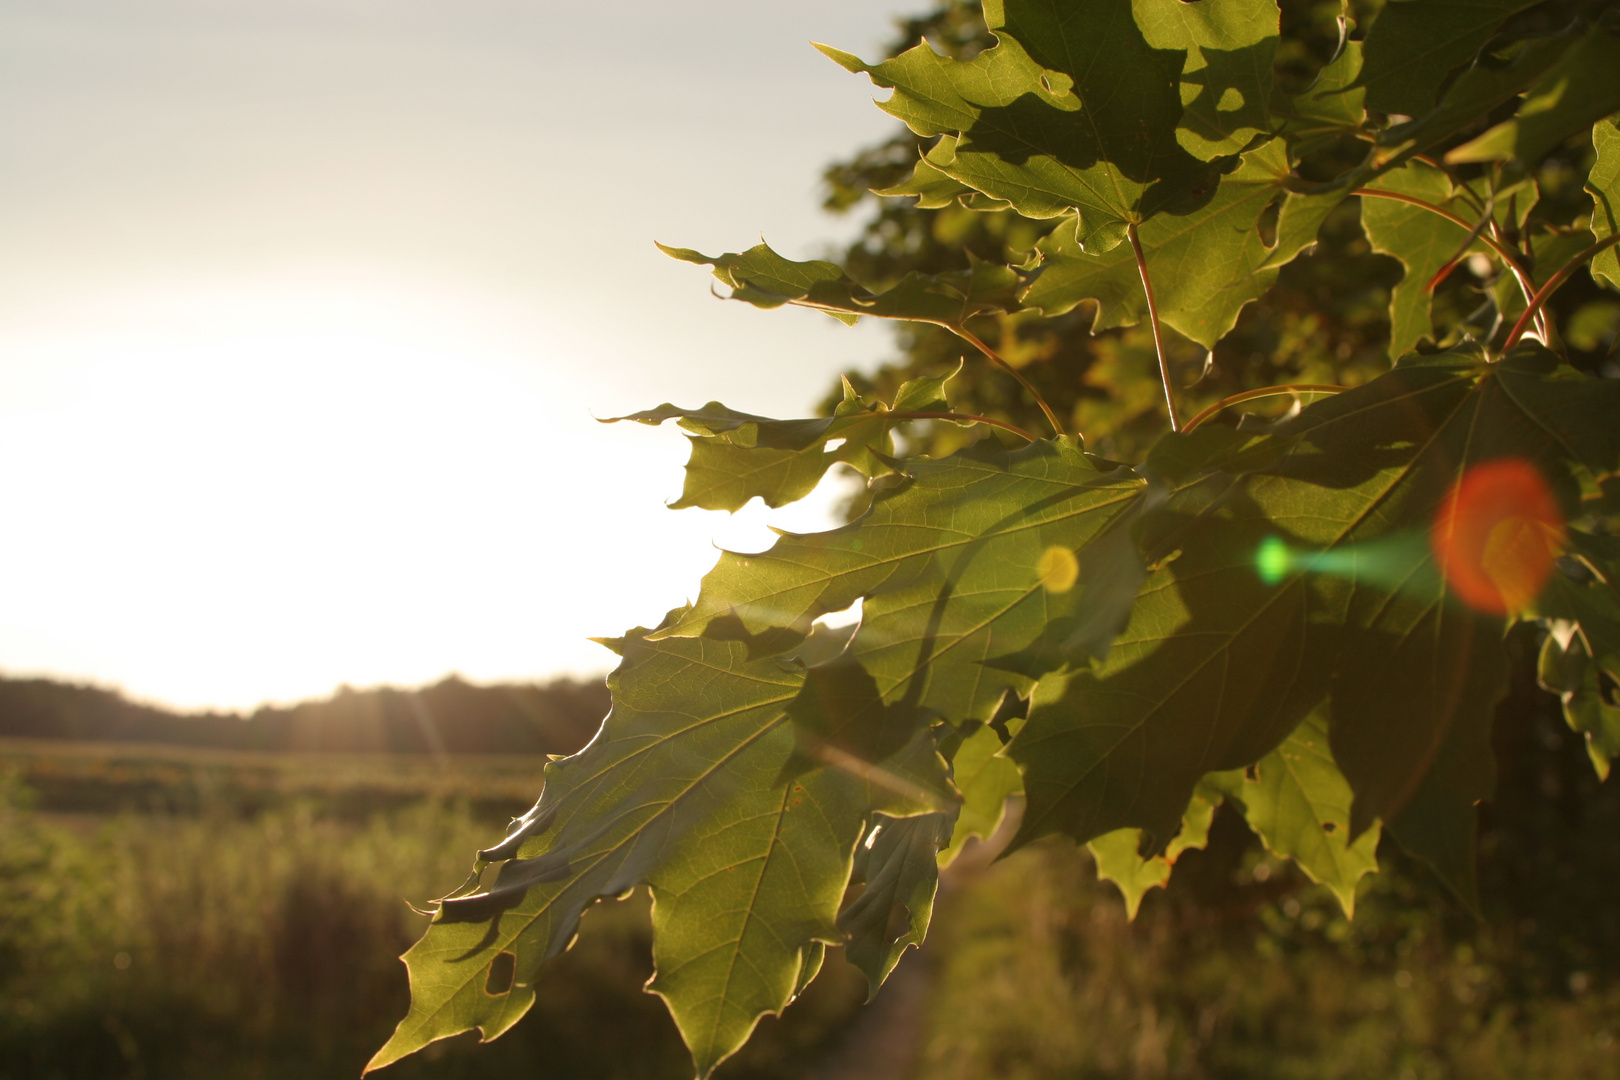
(1301, 617)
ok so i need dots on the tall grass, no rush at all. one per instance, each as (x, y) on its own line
(147, 946)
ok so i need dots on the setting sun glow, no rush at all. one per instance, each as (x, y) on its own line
(277, 491)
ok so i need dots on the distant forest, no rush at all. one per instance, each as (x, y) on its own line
(452, 716)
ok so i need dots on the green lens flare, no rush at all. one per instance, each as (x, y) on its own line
(1400, 560)
(1273, 560)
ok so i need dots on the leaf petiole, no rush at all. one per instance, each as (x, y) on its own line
(1265, 392)
(1508, 255)
(1581, 258)
(973, 418)
(1153, 320)
(996, 358)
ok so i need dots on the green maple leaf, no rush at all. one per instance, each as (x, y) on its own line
(931, 188)
(1332, 105)
(897, 862)
(1487, 85)
(1119, 861)
(1226, 81)
(1422, 240)
(986, 779)
(1218, 667)
(1030, 122)
(1205, 265)
(736, 456)
(967, 561)
(1415, 44)
(1298, 802)
(1580, 661)
(761, 277)
(1603, 184)
(1566, 669)
(682, 791)
(1573, 93)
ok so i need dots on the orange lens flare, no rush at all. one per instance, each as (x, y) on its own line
(1497, 534)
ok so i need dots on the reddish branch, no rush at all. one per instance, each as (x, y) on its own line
(1153, 320)
(1294, 389)
(1540, 298)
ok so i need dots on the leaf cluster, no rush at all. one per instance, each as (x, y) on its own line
(1302, 618)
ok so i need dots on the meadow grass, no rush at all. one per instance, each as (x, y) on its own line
(188, 914)
(262, 945)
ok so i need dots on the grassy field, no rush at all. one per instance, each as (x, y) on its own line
(103, 777)
(239, 916)
(177, 914)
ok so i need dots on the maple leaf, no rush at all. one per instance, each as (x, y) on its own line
(1218, 666)
(1298, 802)
(1412, 48)
(1206, 264)
(681, 791)
(736, 456)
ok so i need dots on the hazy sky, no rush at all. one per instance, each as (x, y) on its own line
(306, 306)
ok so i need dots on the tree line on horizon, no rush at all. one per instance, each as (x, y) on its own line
(452, 716)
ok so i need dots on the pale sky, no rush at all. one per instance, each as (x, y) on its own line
(306, 307)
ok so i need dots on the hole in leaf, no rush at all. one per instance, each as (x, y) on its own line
(1329, 826)
(835, 620)
(1267, 223)
(502, 971)
(1252, 774)
(1608, 689)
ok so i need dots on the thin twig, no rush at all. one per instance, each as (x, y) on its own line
(1580, 259)
(1508, 255)
(972, 339)
(1541, 316)
(1153, 320)
(1487, 218)
(972, 418)
(1269, 391)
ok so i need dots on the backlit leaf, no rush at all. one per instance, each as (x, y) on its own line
(1567, 669)
(1581, 659)
(1422, 240)
(1218, 666)
(1205, 265)
(986, 778)
(1603, 184)
(680, 791)
(1415, 44)
(949, 569)
(897, 861)
(1226, 79)
(1118, 861)
(1575, 92)
(1029, 121)
(1481, 88)
(736, 456)
(761, 277)
(1331, 105)
(1299, 804)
